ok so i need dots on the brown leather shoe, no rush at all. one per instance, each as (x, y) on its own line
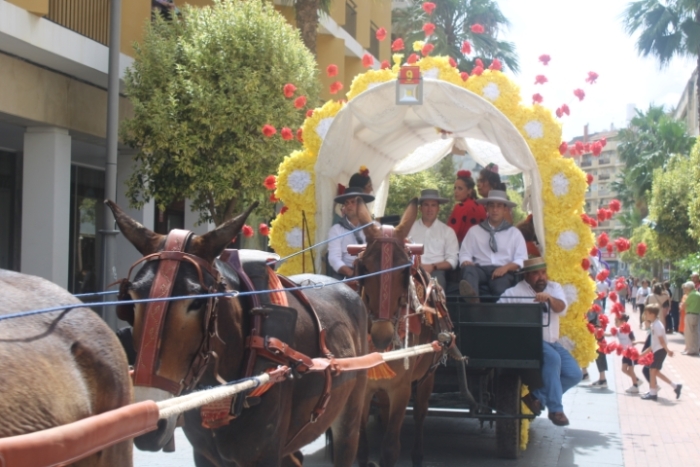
(467, 291)
(558, 418)
(532, 403)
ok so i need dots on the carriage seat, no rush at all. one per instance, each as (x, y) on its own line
(255, 265)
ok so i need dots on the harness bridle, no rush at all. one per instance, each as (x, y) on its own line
(148, 353)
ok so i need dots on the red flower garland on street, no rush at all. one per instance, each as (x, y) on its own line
(367, 60)
(496, 65)
(381, 34)
(270, 182)
(453, 64)
(540, 79)
(641, 249)
(477, 28)
(603, 240)
(286, 134)
(397, 45)
(585, 264)
(413, 58)
(331, 70)
(478, 70)
(428, 29)
(579, 93)
(248, 231)
(284, 209)
(335, 87)
(537, 98)
(289, 90)
(273, 198)
(309, 113)
(385, 64)
(264, 229)
(589, 179)
(544, 58)
(592, 77)
(615, 205)
(268, 130)
(427, 48)
(300, 102)
(428, 7)
(466, 48)
(300, 135)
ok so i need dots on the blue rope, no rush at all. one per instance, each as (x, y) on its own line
(321, 285)
(321, 243)
(96, 294)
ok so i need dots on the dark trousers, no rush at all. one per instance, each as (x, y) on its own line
(479, 277)
(675, 315)
(601, 362)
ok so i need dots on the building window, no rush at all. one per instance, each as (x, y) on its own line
(86, 219)
(586, 161)
(10, 181)
(373, 41)
(172, 218)
(351, 18)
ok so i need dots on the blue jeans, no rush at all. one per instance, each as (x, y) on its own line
(560, 372)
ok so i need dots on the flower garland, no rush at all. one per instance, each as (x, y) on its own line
(568, 239)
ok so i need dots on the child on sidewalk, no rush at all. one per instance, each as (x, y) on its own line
(660, 348)
(626, 339)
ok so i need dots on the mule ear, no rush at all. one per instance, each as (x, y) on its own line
(211, 244)
(145, 241)
(365, 217)
(407, 220)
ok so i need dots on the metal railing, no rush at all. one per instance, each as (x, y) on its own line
(89, 18)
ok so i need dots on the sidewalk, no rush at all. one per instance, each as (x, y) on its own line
(667, 431)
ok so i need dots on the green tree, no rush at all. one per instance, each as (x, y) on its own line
(666, 28)
(694, 208)
(651, 264)
(202, 89)
(453, 20)
(670, 199)
(403, 188)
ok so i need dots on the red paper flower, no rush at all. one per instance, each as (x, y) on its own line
(428, 7)
(381, 34)
(587, 147)
(478, 62)
(270, 182)
(545, 59)
(600, 334)
(477, 29)
(397, 45)
(579, 93)
(589, 179)
(331, 70)
(464, 75)
(427, 48)
(367, 60)
(264, 230)
(647, 359)
(592, 76)
(601, 216)
(625, 328)
(413, 58)
(559, 114)
(564, 146)
(496, 65)
(248, 231)
(540, 79)
(579, 146)
(300, 102)
(620, 284)
(593, 252)
(596, 148)
(585, 264)
(466, 48)
(453, 64)
(385, 64)
(641, 249)
(603, 141)
(622, 244)
(335, 87)
(289, 90)
(284, 209)
(602, 275)
(591, 328)
(273, 198)
(300, 135)
(596, 308)
(613, 331)
(618, 308)
(268, 130)
(609, 248)
(612, 296)
(309, 113)
(478, 70)
(286, 134)
(565, 109)
(537, 98)
(428, 29)
(615, 205)
(603, 239)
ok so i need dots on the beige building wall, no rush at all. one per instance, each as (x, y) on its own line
(38, 7)
(328, 50)
(381, 16)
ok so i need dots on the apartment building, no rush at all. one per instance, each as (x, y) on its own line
(687, 108)
(604, 169)
(53, 111)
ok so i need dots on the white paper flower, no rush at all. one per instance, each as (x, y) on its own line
(432, 73)
(534, 129)
(491, 91)
(568, 240)
(560, 184)
(299, 180)
(571, 293)
(323, 127)
(294, 237)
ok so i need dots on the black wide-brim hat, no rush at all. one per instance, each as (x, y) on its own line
(353, 192)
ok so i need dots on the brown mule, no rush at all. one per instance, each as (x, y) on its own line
(271, 428)
(385, 301)
(58, 367)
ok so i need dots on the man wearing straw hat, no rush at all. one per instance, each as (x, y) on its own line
(492, 251)
(560, 372)
(440, 245)
(339, 259)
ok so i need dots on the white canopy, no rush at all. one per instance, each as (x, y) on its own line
(372, 130)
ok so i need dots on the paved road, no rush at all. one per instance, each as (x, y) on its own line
(592, 440)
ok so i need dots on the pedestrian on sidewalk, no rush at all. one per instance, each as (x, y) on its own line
(601, 361)
(660, 298)
(643, 292)
(659, 347)
(676, 292)
(691, 307)
(625, 337)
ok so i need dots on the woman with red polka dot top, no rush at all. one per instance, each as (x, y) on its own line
(466, 213)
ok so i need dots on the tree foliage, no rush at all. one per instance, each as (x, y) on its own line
(453, 20)
(202, 88)
(694, 207)
(403, 188)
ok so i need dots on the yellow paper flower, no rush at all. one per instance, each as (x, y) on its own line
(365, 81)
(311, 128)
(288, 235)
(418, 46)
(296, 180)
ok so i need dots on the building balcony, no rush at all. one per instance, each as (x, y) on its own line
(89, 18)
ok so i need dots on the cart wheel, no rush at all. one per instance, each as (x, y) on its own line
(508, 430)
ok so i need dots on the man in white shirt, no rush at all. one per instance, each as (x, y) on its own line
(492, 251)
(339, 260)
(560, 372)
(440, 246)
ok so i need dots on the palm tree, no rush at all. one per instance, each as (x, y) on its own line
(453, 20)
(667, 28)
(306, 16)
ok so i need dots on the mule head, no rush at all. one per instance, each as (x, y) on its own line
(179, 341)
(385, 294)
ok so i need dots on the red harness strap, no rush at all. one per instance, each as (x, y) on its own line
(385, 282)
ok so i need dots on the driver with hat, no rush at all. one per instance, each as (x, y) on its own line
(338, 257)
(492, 251)
(560, 372)
(441, 248)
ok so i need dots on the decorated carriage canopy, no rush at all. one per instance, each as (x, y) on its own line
(483, 115)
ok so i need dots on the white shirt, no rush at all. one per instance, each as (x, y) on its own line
(601, 286)
(338, 249)
(625, 340)
(658, 332)
(642, 293)
(439, 242)
(522, 289)
(511, 247)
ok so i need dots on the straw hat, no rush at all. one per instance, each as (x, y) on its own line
(497, 196)
(353, 192)
(533, 264)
